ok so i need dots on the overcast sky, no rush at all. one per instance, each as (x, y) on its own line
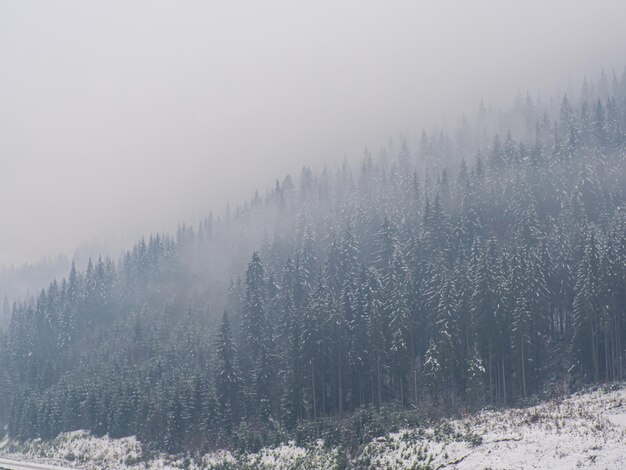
(124, 117)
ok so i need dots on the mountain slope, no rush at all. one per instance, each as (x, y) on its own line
(422, 280)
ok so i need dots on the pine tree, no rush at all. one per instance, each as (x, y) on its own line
(446, 338)
(378, 333)
(484, 303)
(360, 343)
(475, 389)
(229, 381)
(585, 348)
(253, 330)
(432, 370)
(291, 402)
(522, 325)
(398, 315)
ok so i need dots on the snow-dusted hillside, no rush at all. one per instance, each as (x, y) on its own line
(583, 431)
(586, 430)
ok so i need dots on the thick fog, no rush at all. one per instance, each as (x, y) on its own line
(120, 118)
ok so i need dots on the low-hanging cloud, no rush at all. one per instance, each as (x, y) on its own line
(120, 118)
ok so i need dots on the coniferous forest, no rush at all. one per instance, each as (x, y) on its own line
(483, 265)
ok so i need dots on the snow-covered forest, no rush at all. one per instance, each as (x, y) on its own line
(479, 265)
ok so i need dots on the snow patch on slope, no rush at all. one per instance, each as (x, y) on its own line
(586, 430)
(582, 431)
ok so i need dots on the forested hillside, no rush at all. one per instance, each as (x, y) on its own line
(481, 265)
(18, 282)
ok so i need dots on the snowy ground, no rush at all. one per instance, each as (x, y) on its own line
(80, 450)
(582, 431)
